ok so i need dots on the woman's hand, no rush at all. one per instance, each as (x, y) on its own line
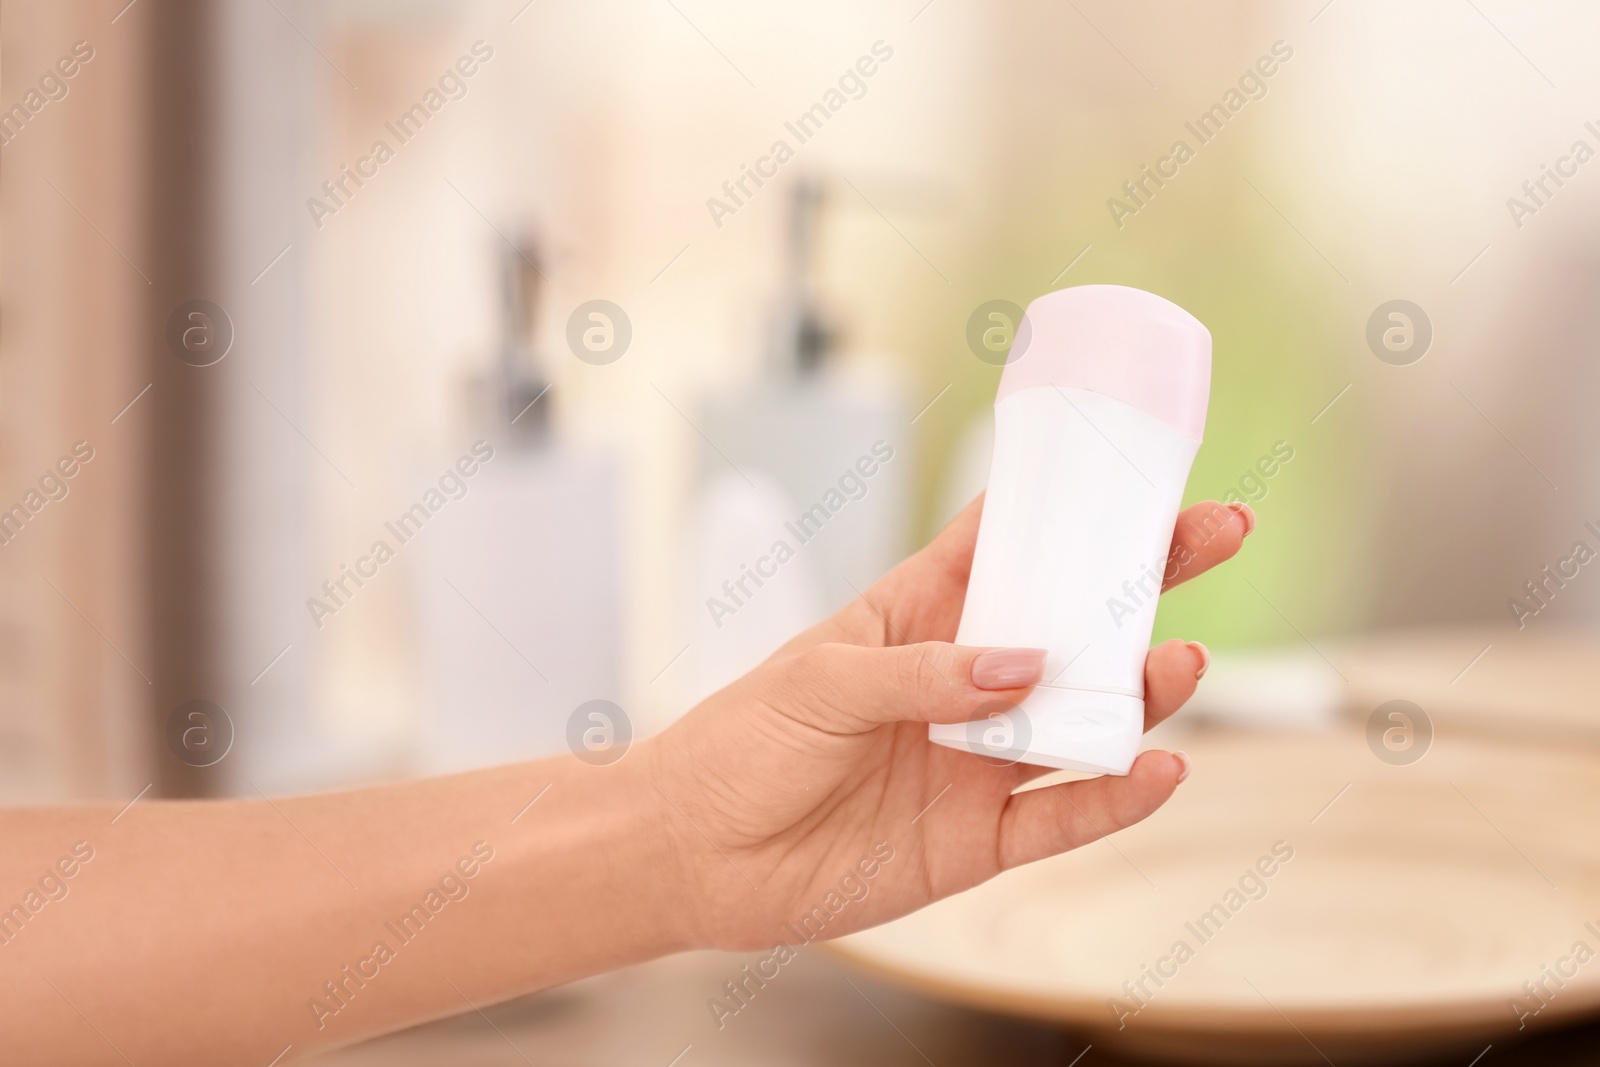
(774, 790)
(803, 801)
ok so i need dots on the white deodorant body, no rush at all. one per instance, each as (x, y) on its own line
(1097, 422)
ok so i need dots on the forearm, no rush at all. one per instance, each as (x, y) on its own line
(321, 920)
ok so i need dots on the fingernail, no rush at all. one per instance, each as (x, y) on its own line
(1205, 658)
(1008, 668)
(1183, 766)
(1245, 512)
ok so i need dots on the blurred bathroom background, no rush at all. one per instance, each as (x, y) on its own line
(575, 368)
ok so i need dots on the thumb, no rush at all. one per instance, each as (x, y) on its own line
(855, 688)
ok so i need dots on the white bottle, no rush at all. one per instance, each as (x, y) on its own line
(1097, 422)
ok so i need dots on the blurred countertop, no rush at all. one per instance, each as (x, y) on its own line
(818, 1013)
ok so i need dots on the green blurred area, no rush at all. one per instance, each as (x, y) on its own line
(1280, 353)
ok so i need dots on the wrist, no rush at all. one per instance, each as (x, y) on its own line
(699, 892)
(586, 883)
(622, 881)
(663, 866)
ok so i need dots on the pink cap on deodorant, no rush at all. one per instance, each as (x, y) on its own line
(1124, 343)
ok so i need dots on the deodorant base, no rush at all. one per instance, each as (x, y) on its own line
(1069, 729)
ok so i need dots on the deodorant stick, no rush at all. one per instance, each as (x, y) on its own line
(1097, 422)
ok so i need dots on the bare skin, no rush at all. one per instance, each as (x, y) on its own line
(221, 932)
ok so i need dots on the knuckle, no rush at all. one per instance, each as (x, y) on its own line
(809, 667)
(908, 668)
(918, 668)
(807, 680)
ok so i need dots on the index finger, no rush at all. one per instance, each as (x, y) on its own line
(1206, 534)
